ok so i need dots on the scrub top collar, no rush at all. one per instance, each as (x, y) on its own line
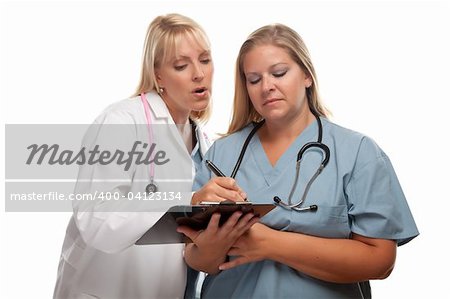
(287, 158)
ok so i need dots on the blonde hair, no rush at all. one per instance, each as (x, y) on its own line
(161, 42)
(280, 36)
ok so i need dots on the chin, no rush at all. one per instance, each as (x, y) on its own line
(275, 116)
(200, 105)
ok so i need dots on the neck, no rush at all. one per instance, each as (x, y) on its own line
(287, 129)
(179, 115)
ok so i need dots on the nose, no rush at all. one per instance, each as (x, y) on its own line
(198, 74)
(267, 84)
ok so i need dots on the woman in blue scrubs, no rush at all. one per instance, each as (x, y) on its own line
(350, 216)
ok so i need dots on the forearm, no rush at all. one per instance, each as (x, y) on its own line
(334, 260)
(206, 262)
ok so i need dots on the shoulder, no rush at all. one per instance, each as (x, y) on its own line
(126, 111)
(349, 143)
(341, 133)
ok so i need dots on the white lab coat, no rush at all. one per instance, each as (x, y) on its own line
(99, 258)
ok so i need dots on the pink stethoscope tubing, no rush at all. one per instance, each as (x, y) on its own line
(151, 187)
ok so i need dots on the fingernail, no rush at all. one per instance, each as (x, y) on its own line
(244, 195)
(221, 268)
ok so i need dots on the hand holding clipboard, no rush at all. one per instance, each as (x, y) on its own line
(197, 218)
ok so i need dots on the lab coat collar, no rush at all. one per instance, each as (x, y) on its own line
(157, 105)
(160, 110)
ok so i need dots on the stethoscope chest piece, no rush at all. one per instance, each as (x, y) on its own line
(151, 188)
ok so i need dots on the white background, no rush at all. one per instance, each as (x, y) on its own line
(383, 68)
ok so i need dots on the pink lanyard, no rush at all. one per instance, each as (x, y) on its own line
(151, 187)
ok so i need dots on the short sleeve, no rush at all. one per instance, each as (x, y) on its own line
(203, 175)
(377, 205)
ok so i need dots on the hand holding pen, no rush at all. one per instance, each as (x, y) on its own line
(219, 188)
(214, 169)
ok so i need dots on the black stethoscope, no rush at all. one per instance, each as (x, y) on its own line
(317, 144)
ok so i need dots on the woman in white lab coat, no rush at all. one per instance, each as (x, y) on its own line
(99, 258)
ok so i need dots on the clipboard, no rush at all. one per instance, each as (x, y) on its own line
(197, 217)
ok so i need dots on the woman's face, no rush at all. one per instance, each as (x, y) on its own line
(186, 78)
(275, 82)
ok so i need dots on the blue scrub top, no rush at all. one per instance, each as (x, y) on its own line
(357, 192)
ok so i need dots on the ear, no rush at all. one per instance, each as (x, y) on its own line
(158, 78)
(308, 82)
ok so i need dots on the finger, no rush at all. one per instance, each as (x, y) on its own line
(234, 251)
(188, 232)
(220, 189)
(240, 191)
(227, 194)
(242, 224)
(243, 195)
(252, 222)
(234, 263)
(227, 182)
(230, 224)
(217, 189)
(213, 224)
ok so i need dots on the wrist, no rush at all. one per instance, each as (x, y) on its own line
(268, 251)
(206, 260)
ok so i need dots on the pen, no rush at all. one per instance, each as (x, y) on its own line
(214, 168)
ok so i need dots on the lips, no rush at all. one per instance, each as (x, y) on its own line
(200, 93)
(269, 101)
(199, 90)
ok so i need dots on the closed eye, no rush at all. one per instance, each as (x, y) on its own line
(254, 81)
(279, 74)
(180, 67)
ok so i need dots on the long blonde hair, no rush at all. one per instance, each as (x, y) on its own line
(161, 41)
(284, 37)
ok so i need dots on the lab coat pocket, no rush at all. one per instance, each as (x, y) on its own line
(327, 221)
